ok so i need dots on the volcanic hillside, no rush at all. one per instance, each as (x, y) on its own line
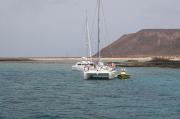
(148, 42)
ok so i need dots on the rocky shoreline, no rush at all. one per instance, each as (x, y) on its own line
(171, 64)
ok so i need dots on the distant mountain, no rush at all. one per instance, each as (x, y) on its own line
(147, 42)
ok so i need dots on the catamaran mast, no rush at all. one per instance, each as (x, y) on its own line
(88, 38)
(99, 54)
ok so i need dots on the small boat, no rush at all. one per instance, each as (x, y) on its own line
(80, 66)
(86, 61)
(123, 75)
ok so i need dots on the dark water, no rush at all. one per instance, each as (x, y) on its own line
(53, 91)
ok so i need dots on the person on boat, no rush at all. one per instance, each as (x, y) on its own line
(113, 66)
(86, 68)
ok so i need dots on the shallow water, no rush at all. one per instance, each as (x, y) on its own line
(53, 91)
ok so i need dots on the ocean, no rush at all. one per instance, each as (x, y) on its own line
(54, 91)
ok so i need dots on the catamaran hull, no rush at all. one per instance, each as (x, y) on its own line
(80, 66)
(99, 75)
(77, 68)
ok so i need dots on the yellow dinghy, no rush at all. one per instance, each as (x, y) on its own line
(123, 75)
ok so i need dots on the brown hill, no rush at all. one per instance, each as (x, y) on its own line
(148, 42)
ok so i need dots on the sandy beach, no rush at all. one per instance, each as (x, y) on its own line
(73, 59)
(68, 59)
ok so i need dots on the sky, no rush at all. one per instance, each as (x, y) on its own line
(56, 28)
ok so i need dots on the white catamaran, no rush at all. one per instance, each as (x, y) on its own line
(80, 66)
(99, 70)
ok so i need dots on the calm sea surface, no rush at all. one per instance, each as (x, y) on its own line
(54, 91)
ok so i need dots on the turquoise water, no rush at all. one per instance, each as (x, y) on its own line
(53, 91)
